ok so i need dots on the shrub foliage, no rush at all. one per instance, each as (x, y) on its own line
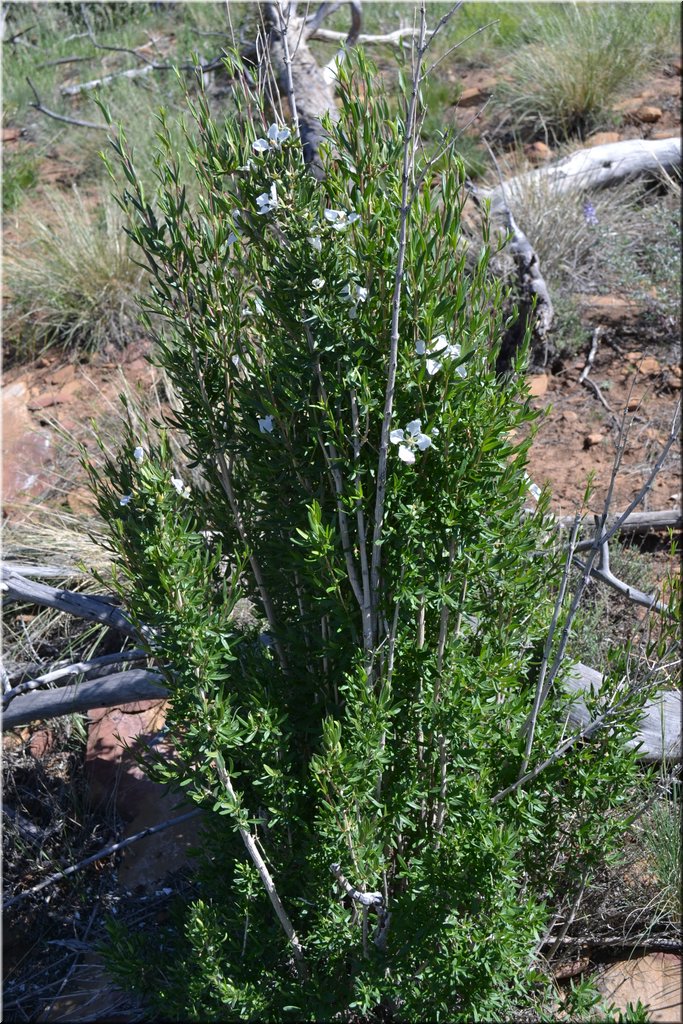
(355, 738)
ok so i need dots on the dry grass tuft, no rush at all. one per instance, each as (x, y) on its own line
(70, 277)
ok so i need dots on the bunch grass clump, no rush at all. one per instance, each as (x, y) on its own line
(71, 279)
(578, 61)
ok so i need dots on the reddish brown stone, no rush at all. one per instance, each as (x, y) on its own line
(538, 384)
(590, 440)
(646, 114)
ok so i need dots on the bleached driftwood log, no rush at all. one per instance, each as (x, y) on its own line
(659, 729)
(109, 691)
(594, 168)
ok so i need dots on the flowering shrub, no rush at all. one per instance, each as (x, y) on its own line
(367, 849)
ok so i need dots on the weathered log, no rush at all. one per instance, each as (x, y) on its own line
(639, 522)
(659, 728)
(17, 587)
(110, 691)
(594, 168)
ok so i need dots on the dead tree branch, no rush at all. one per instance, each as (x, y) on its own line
(106, 851)
(109, 691)
(38, 105)
(16, 587)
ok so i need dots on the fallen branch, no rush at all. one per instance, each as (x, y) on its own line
(16, 587)
(96, 83)
(636, 522)
(38, 105)
(107, 851)
(108, 691)
(593, 168)
(79, 668)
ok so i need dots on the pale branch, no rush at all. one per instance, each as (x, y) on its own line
(593, 168)
(38, 105)
(604, 574)
(106, 851)
(396, 38)
(79, 668)
(16, 587)
(595, 341)
(97, 83)
(635, 522)
(45, 572)
(264, 874)
(106, 691)
(592, 386)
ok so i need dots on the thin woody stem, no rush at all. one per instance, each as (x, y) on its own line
(264, 874)
(408, 164)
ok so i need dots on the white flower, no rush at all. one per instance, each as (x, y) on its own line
(139, 454)
(267, 201)
(410, 439)
(315, 242)
(266, 425)
(533, 489)
(354, 301)
(180, 487)
(276, 136)
(442, 348)
(340, 219)
(318, 283)
(126, 499)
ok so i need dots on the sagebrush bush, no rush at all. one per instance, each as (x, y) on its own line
(373, 844)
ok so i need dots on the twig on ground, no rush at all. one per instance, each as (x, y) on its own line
(592, 354)
(83, 668)
(96, 83)
(107, 851)
(38, 105)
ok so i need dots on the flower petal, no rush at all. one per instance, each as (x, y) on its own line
(265, 425)
(439, 344)
(361, 294)
(126, 499)
(420, 347)
(139, 454)
(433, 366)
(405, 454)
(414, 427)
(396, 436)
(260, 146)
(424, 441)
(332, 215)
(273, 132)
